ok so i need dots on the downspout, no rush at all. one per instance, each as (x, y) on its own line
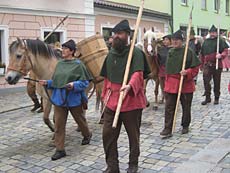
(171, 22)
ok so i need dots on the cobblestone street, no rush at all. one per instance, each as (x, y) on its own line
(24, 138)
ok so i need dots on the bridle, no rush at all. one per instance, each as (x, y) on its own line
(24, 59)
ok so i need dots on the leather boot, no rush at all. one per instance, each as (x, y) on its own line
(207, 100)
(166, 133)
(36, 105)
(216, 101)
(58, 154)
(132, 169)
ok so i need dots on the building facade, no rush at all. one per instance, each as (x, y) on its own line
(35, 19)
(109, 13)
(205, 13)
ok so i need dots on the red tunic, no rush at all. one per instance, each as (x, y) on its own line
(211, 59)
(172, 81)
(135, 99)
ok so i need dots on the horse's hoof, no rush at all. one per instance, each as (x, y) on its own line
(148, 104)
(51, 144)
(101, 121)
(161, 102)
(155, 108)
(78, 129)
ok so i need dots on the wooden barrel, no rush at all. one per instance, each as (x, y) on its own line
(93, 53)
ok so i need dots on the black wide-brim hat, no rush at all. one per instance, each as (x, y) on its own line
(70, 44)
(178, 35)
(213, 29)
(122, 26)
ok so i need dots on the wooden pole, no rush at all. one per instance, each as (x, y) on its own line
(61, 22)
(218, 34)
(183, 67)
(128, 65)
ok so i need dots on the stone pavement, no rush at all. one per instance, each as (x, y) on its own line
(24, 139)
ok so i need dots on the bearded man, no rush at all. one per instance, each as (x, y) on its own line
(134, 100)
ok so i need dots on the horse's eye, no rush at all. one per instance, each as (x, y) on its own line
(19, 56)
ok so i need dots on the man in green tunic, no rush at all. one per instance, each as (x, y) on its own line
(209, 58)
(134, 100)
(172, 81)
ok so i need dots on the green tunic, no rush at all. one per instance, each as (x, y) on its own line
(115, 64)
(68, 71)
(175, 60)
(210, 45)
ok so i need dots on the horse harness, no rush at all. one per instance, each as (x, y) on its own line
(22, 69)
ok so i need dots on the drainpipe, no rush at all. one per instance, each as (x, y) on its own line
(171, 22)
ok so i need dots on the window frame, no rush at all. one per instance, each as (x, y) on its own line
(216, 3)
(62, 32)
(184, 2)
(204, 4)
(227, 7)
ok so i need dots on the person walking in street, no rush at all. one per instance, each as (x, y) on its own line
(69, 81)
(172, 80)
(31, 91)
(134, 100)
(162, 58)
(209, 58)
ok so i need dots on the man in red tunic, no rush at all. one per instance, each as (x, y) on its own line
(134, 100)
(208, 58)
(172, 80)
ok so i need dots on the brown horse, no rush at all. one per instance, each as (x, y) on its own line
(151, 44)
(35, 55)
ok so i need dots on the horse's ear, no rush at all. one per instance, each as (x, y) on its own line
(19, 41)
(153, 29)
(144, 30)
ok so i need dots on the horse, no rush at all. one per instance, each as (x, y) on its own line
(151, 44)
(34, 55)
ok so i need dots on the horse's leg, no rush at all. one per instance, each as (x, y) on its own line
(155, 107)
(162, 80)
(47, 108)
(145, 85)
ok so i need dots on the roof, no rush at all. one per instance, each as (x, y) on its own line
(129, 9)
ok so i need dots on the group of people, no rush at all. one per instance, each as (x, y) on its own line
(71, 78)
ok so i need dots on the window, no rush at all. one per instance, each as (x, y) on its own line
(184, 2)
(4, 36)
(54, 37)
(216, 5)
(202, 32)
(227, 7)
(183, 28)
(223, 32)
(106, 32)
(203, 4)
(59, 35)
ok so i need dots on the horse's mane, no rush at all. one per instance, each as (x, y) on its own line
(37, 47)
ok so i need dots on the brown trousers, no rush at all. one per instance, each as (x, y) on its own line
(210, 72)
(132, 123)
(31, 90)
(170, 105)
(61, 115)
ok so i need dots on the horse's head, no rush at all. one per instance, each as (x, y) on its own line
(150, 41)
(19, 61)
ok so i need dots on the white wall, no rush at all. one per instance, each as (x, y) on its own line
(71, 6)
